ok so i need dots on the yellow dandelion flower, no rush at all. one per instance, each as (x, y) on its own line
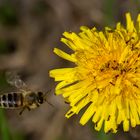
(106, 76)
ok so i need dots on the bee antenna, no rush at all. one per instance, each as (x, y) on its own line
(46, 96)
(48, 92)
(49, 103)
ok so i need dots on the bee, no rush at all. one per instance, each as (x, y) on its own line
(22, 99)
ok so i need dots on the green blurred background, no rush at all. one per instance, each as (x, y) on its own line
(29, 30)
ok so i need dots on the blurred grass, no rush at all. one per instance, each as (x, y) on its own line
(7, 46)
(5, 132)
(4, 128)
(8, 14)
(17, 136)
(8, 17)
(101, 135)
(110, 12)
(3, 82)
(138, 5)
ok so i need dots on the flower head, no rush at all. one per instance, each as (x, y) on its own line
(106, 76)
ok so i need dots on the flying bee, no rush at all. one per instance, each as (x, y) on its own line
(23, 98)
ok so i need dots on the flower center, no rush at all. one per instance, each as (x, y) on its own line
(111, 64)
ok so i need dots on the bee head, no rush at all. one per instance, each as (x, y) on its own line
(41, 98)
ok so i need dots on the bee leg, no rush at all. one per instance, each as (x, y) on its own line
(20, 113)
(37, 105)
(28, 108)
(50, 103)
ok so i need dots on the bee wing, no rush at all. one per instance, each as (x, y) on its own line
(15, 80)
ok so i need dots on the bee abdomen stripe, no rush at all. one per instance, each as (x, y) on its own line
(10, 100)
(5, 101)
(17, 99)
(10, 97)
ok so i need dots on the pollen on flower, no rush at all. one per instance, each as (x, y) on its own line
(106, 76)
